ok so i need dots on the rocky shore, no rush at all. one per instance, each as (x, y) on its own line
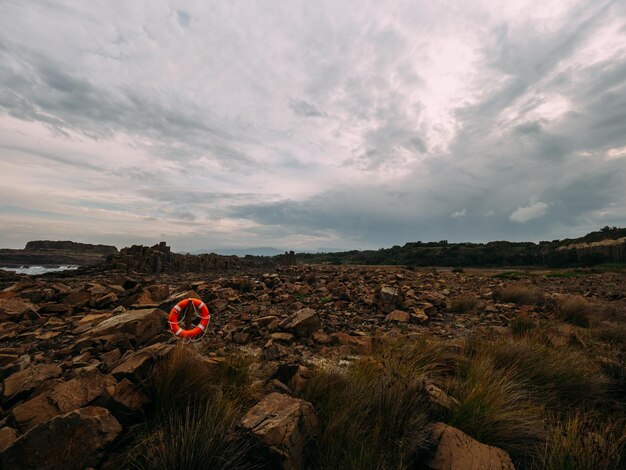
(76, 350)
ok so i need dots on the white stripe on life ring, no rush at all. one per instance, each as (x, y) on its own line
(201, 326)
(180, 330)
(201, 306)
(177, 308)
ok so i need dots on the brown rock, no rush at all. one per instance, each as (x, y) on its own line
(14, 309)
(457, 451)
(23, 382)
(7, 437)
(127, 400)
(303, 323)
(137, 365)
(72, 441)
(388, 299)
(397, 316)
(63, 398)
(281, 424)
(140, 325)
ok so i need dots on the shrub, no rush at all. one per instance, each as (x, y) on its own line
(521, 294)
(612, 333)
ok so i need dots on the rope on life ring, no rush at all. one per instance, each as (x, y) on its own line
(172, 320)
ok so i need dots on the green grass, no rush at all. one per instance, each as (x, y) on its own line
(568, 274)
(513, 275)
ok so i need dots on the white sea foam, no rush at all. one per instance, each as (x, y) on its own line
(34, 270)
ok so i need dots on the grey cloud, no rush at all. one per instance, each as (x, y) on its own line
(306, 109)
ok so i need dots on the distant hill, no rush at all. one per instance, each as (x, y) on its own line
(603, 246)
(55, 253)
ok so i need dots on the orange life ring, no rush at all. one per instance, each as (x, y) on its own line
(204, 318)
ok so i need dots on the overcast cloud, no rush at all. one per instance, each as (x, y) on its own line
(302, 125)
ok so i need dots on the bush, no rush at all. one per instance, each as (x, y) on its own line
(520, 294)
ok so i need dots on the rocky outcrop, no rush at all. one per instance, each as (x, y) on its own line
(55, 253)
(455, 450)
(43, 245)
(160, 259)
(281, 424)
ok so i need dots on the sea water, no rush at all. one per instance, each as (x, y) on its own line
(34, 270)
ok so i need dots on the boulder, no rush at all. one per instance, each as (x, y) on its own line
(303, 323)
(72, 441)
(281, 424)
(14, 309)
(388, 299)
(23, 382)
(63, 398)
(140, 325)
(397, 316)
(127, 401)
(455, 450)
(136, 366)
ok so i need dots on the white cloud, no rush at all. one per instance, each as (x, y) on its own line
(534, 210)
(457, 214)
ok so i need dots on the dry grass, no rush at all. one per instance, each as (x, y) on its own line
(560, 377)
(575, 310)
(465, 304)
(496, 409)
(522, 325)
(582, 442)
(202, 437)
(374, 415)
(197, 407)
(521, 294)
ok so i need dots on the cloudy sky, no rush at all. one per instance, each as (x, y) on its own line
(300, 125)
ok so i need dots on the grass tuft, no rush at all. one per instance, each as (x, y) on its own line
(374, 414)
(575, 310)
(465, 304)
(496, 409)
(583, 442)
(520, 294)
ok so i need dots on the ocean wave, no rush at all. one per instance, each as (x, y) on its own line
(34, 270)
